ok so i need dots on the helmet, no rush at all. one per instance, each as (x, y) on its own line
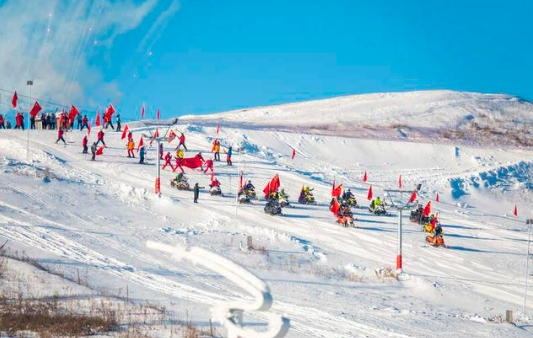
(249, 181)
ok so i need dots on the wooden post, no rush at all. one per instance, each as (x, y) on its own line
(509, 316)
(249, 243)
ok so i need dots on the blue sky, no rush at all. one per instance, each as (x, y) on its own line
(211, 55)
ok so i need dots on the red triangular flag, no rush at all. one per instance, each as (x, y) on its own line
(275, 183)
(218, 128)
(158, 113)
(14, 100)
(427, 209)
(171, 136)
(400, 182)
(437, 196)
(97, 123)
(335, 207)
(110, 111)
(100, 150)
(141, 143)
(266, 191)
(515, 211)
(124, 132)
(413, 197)
(293, 153)
(36, 109)
(337, 191)
(433, 223)
(369, 197)
(142, 113)
(365, 178)
(156, 134)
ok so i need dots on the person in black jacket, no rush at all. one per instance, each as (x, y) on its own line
(93, 151)
(196, 191)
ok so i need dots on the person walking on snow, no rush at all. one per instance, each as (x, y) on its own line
(208, 165)
(130, 136)
(80, 121)
(216, 150)
(60, 136)
(168, 158)
(119, 126)
(182, 142)
(84, 144)
(178, 165)
(141, 155)
(93, 151)
(161, 150)
(101, 138)
(131, 146)
(228, 156)
(84, 122)
(196, 191)
(2, 126)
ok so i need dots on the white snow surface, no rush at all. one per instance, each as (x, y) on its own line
(97, 217)
(405, 115)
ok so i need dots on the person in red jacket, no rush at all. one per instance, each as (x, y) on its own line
(178, 165)
(208, 165)
(84, 144)
(101, 138)
(84, 122)
(168, 158)
(60, 136)
(2, 126)
(182, 142)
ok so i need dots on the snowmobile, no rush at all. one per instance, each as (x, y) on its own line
(378, 211)
(180, 183)
(346, 220)
(243, 197)
(273, 207)
(306, 196)
(284, 199)
(351, 201)
(418, 217)
(436, 240)
(215, 191)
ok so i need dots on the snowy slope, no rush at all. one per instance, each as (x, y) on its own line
(433, 115)
(97, 216)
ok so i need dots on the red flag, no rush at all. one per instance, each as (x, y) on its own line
(433, 223)
(171, 136)
(124, 132)
(156, 134)
(97, 123)
(141, 143)
(437, 197)
(14, 100)
(192, 162)
(142, 113)
(369, 197)
(158, 113)
(293, 153)
(427, 209)
(515, 211)
(61, 119)
(266, 191)
(240, 185)
(100, 150)
(110, 111)
(36, 109)
(365, 178)
(400, 182)
(337, 191)
(218, 128)
(275, 183)
(335, 207)
(413, 197)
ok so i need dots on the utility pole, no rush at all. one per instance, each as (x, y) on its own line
(29, 83)
(528, 222)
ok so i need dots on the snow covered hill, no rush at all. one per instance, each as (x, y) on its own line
(439, 115)
(95, 217)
